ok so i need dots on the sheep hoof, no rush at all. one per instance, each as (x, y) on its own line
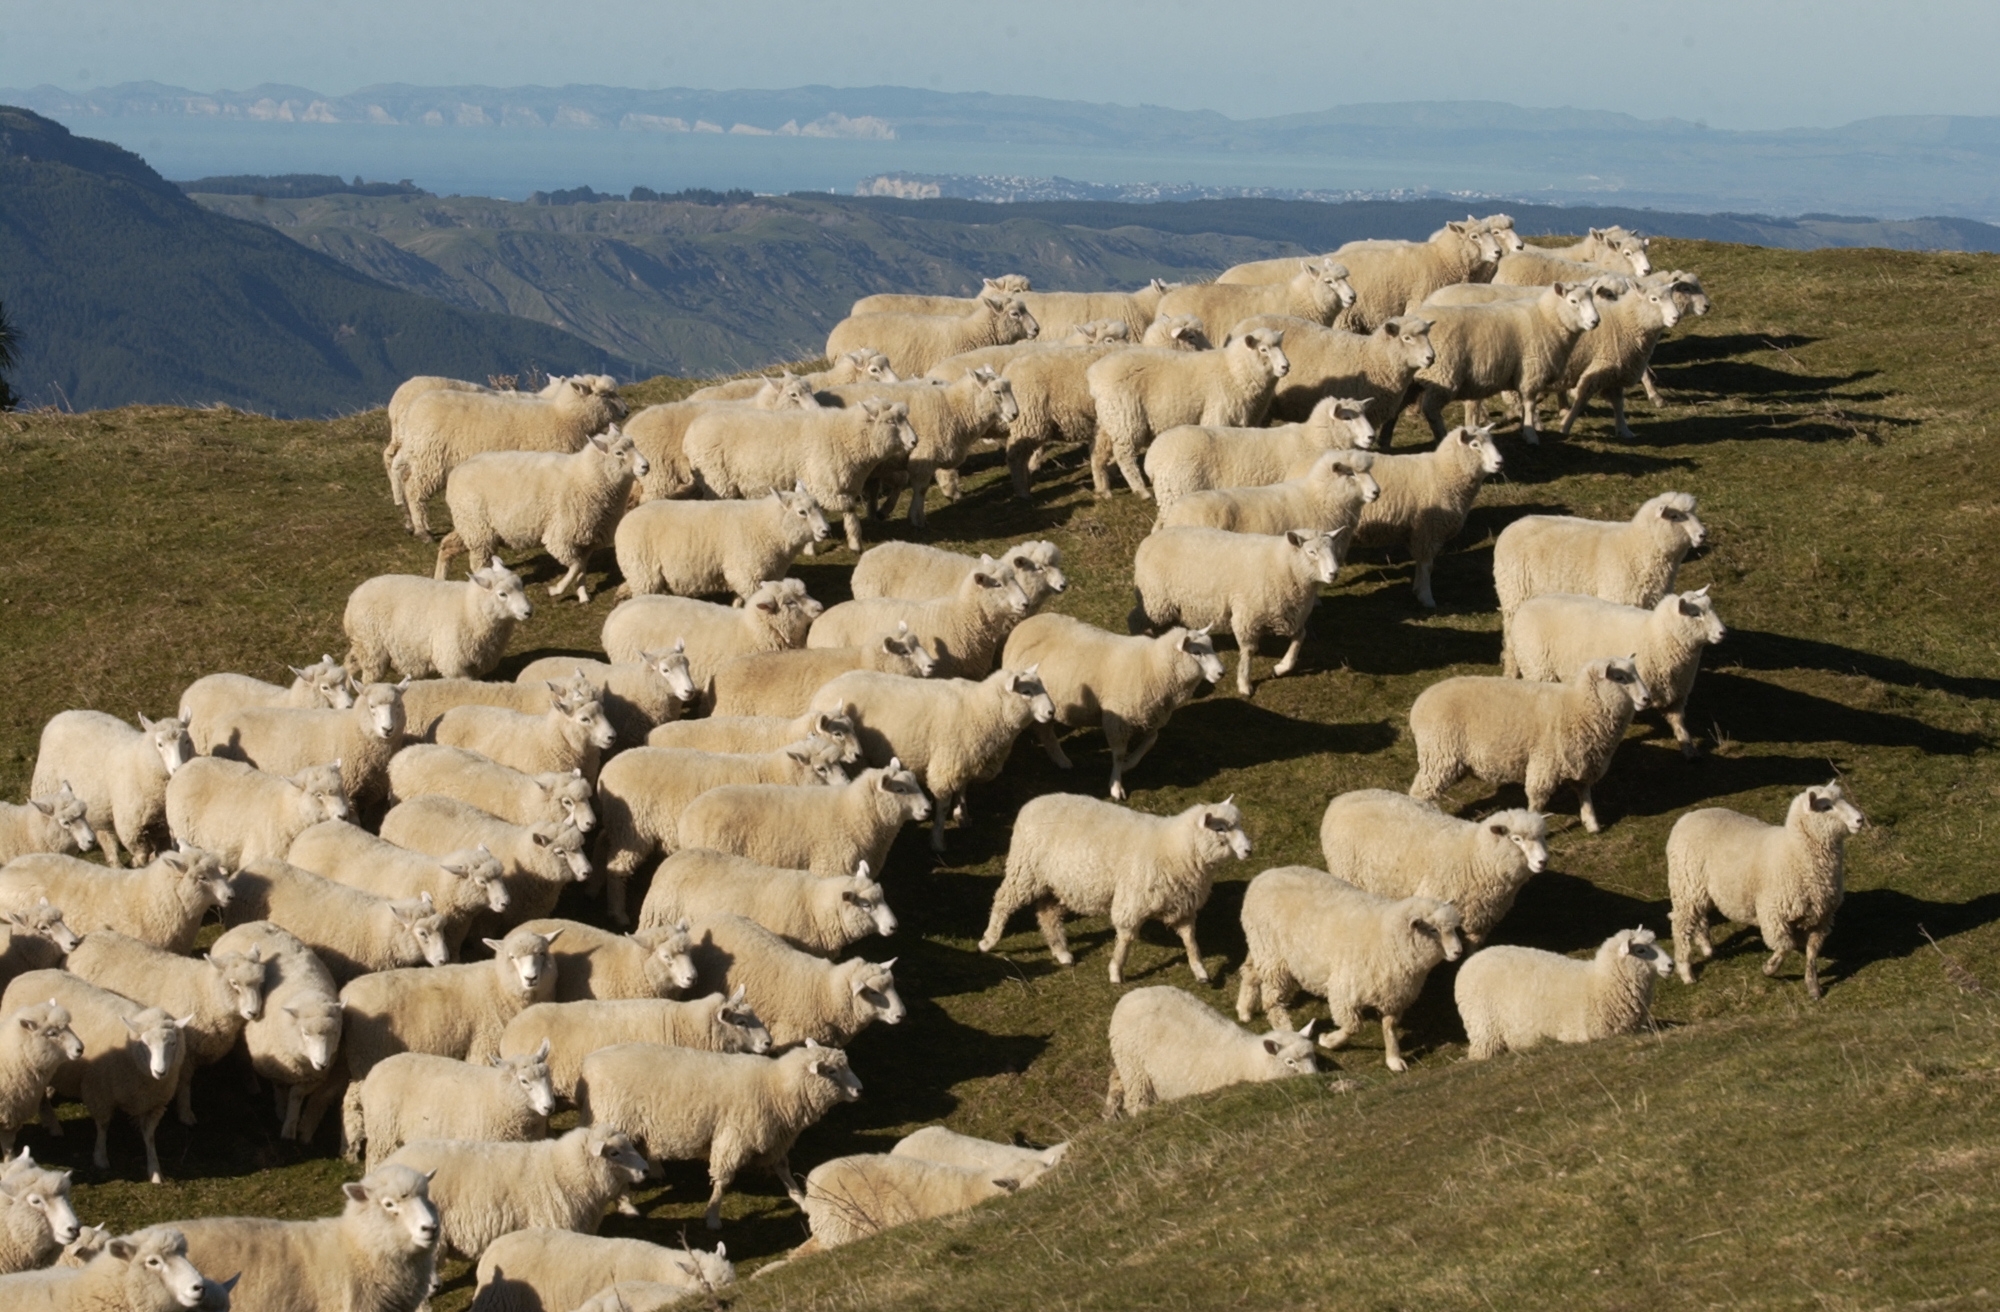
(714, 1222)
(1397, 1064)
(986, 944)
(626, 1207)
(1066, 959)
(1201, 973)
(582, 594)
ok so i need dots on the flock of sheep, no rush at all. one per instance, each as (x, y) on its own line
(773, 749)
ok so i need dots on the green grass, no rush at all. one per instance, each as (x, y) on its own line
(1831, 414)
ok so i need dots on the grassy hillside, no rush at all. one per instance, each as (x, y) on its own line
(1757, 1151)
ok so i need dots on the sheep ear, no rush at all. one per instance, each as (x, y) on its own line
(542, 1050)
(1296, 537)
(861, 870)
(493, 943)
(123, 1248)
(1271, 1046)
(1011, 1186)
(736, 995)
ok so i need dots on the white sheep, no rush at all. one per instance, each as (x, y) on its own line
(715, 1023)
(830, 453)
(756, 733)
(1631, 562)
(524, 799)
(1614, 249)
(285, 740)
(733, 1109)
(1618, 353)
(120, 773)
(546, 1270)
(448, 1011)
(58, 822)
(828, 831)
(131, 1058)
(1316, 292)
(351, 931)
(817, 915)
(1142, 392)
(799, 996)
(1209, 578)
(1026, 1166)
(948, 421)
(1329, 497)
(915, 342)
(33, 938)
(410, 389)
(1787, 878)
(912, 570)
(143, 1272)
(442, 428)
(635, 695)
(241, 813)
(424, 626)
(1512, 998)
(414, 1095)
(777, 614)
(1166, 1044)
(593, 963)
(1060, 312)
(963, 631)
(1127, 686)
(782, 683)
(291, 1045)
(536, 860)
(1539, 735)
(1689, 298)
(1052, 393)
(1425, 499)
(35, 1039)
(1090, 858)
(950, 732)
(1507, 346)
(695, 548)
(1552, 636)
(1193, 458)
(1389, 275)
(213, 696)
(850, 1198)
(379, 1255)
(1390, 843)
(162, 903)
(425, 701)
(565, 504)
(460, 884)
(569, 735)
(660, 431)
(1308, 930)
(1007, 284)
(37, 1219)
(217, 993)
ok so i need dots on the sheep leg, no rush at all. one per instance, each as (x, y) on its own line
(1128, 464)
(184, 1096)
(100, 1156)
(1435, 775)
(1815, 940)
(1246, 648)
(1690, 924)
(1540, 786)
(851, 521)
(939, 814)
(1006, 901)
(50, 1125)
(1676, 717)
(1392, 1049)
(293, 1099)
(452, 547)
(1120, 947)
(1420, 578)
(921, 473)
(571, 578)
(1114, 1095)
(1291, 656)
(1652, 386)
(1046, 735)
(1277, 993)
(149, 1125)
(1625, 432)
(1020, 462)
(1124, 756)
(1779, 938)
(1186, 930)
(107, 844)
(1100, 465)
(614, 899)
(1432, 403)
(1049, 915)
(725, 1158)
(1529, 401)
(1247, 991)
(1585, 809)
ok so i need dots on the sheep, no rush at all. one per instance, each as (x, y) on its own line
(1316, 293)
(353, 932)
(635, 695)
(89, 1242)
(1329, 496)
(131, 1058)
(1538, 735)
(460, 884)
(443, 428)
(782, 683)
(523, 799)
(1507, 346)
(1308, 930)
(1261, 272)
(379, 1255)
(425, 701)
(1193, 458)
(950, 732)
(448, 1011)
(36, 1218)
(565, 504)
(1206, 578)
(934, 1143)
(545, 1270)
(1788, 878)
(1127, 686)
(1425, 499)
(241, 813)
(1389, 275)
(1552, 636)
(1076, 854)
(816, 915)
(828, 831)
(218, 994)
(292, 1044)
(1052, 392)
(410, 389)
(571, 735)
(1689, 298)
(828, 453)
(1389, 843)
(162, 903)
(963, 631)
(735, 1109)
(120, 773)
(536, 860)
(1612, 248)
(593, 963)
(694, 548)
(743, 734)
(143, 1272)
(424, 626)
(58, 822)
(1375, 368)
(211, 698)
(850, 1198)
(1166, 1044)
(911, 570)
(1618, 353)
(35, 1039)
(33, 938)
(915, 342)
(660, 431)
(799, 996)
(776, 615)
(1008, 284)
(1143, 391)
(414, 1095)
(1059, 312)
(1512, 998)
(715, 1023)
(1631, 562)
(948, 420)
(283, 740)
(485, 1190)
(644, 790)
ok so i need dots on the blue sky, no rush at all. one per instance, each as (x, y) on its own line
(1731, 63)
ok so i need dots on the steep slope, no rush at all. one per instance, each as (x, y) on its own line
(122, 290)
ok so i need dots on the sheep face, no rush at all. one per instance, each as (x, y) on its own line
(912, 649)
(319, 1032)
(1438, 923)
(741, 1027)
(615, 1147)
(617, 449)
(1641, 945)
(1479, 242)
(1827, 806)
(384, 704)
(799, 504)
(1676, 509)
(1413, 338)
(69, 813)
(522, 959)
(565, 844)
(243, 976)
(1318, 550)
(902, 784)
(894, 417)
(997, 398)
(531, 1076)
(830, 1064)
(1294, 1052)
(874, 990)
(1015, 323)
(1575, 305)
(1623, 672)
(50, 1024)
(672, 665)
(1200, 644)
(161, 1252)
(596, 727)
(1345, 410)
(840, 728)
(1661, 302)
(426, 925)
(403, 1197)
(1222, 829)
(201, 884)
(1478, 442)
(160, 1035)
(1336, 467)
(1028, 683)
(1269, 349)
(484, 869)
(320, 785)
(1332, 285)
(1527, 832)
(46, 1192)
(790, 610)
(45, 921)
(329, 682)
(1697, 612)
(1501, 226)
(170, 740)
(502, 589)
(866, 906)
(822, 755)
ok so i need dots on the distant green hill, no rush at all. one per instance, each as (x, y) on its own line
(121, 289)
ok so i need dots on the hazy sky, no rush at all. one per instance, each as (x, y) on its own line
(1732, 63)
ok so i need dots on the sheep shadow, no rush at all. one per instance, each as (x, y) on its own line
(1651, 778)
(1560, 912)
(513, 663)
(922, 1060)
(1887, 924)
(1391, 636)
(1696, 348)
(1820, 424)
(1754, 649)
(1754, 710)
(1232, 734)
